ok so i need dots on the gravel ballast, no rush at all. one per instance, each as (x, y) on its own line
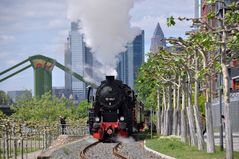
(67, 151)
(65, 148)
(135, 150)
(101, 151)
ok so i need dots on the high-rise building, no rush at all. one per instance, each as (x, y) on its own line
(197, 7)
(68, 77)
(158, 39)
(78, 58)
(131, 60)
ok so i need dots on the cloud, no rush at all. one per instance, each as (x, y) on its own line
(57, 24)
(3, 55)
(4, 39)
(148, 13)
(30, 26)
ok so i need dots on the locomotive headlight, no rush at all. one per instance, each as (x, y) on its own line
(121, 118)
(97, 119)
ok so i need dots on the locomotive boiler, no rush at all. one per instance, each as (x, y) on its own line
(115, 111)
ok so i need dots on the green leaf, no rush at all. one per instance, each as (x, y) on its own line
(170, 21)
(211, 2)
(211, 15)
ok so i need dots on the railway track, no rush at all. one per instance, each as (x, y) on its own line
(115, 151)
(83, 152)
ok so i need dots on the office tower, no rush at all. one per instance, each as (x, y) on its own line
(131, 60)
(67, 59)
(158, 39)
(197, 8)
(78, 58)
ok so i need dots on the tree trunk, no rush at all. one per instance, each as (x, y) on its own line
(158, 113)
(175, 111)
(190, 114)
(198, 128)
(191, 126)
(209, 129)
(179, 123)
(162, 121)
(166, 112)
(196, 110)
(175, 121)
(169, 112)
(163, 116)
(226, 94)
(209, 124)
(183, 118)
(178, 108)
(183, 126)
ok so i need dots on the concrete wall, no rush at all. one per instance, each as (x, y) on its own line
(234, 112)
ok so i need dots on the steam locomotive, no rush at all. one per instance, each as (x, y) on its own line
(115, 111)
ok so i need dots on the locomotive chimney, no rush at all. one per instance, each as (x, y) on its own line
(110, 78)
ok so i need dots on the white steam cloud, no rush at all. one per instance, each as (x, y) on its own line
(106, 28)
(125, 140)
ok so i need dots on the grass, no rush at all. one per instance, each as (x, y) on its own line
(173, 147)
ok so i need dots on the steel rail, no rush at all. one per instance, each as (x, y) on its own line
(83, 152)
(116, 151)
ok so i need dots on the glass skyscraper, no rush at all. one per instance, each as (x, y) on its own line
(131, 60)
(157, 40)
(78, 58)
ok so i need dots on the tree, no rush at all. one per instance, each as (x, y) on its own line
(4, 99)
(209, 40)
(46, 109)
(27, 95)
(228, 38)
(82, 109)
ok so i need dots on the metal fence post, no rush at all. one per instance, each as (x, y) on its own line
(4, 144)
(151, 122)
(15, 142)
(39, 140)
(0, 148)
(26, 145)
(7, 141)
(10, 139)
(21, 142)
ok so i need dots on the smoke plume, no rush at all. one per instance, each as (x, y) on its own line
(106, 27)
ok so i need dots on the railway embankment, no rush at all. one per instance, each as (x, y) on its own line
(66, 147)
(169, 147)
(70, 147)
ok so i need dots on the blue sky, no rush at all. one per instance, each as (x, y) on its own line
(29, 27)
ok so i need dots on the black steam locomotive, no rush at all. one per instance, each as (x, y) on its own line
(115, 111)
